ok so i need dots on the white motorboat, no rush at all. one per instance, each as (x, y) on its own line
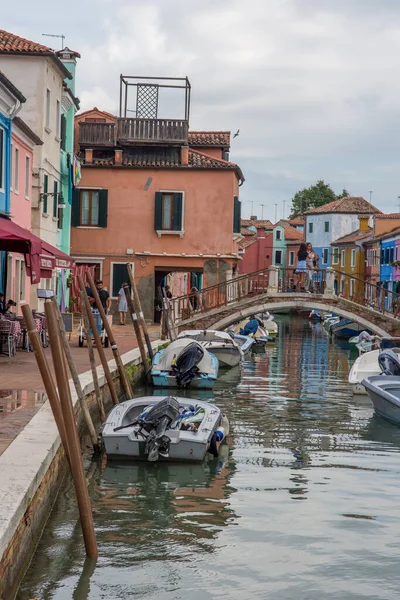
(365, 342)
(267, 321)
(244, 341)
(384, 389)
(261, 336)
(184, 363)
(219, 343)
(168, 428)
(364, 366)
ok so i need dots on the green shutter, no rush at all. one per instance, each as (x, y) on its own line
(103, 208)
(236, 214)
(177, 222)
(158, 212)
(45, 190)
(55, 199)
(76, 208)
(63, 131)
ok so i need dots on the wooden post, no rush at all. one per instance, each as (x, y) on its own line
(139, 311)
(136, 326)
(46, 375)
(78, 473)
(121, 370)
(97, 340)
(97, 391)
(75, 379)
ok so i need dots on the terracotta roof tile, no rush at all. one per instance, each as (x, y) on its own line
(9, 42)
(258, 224)
(351, 205)
(209, 138)
(352, 237)
(388, 216)
(387, 234)
(246, 231)
(245, 243)
(295, 221)
(293, 234)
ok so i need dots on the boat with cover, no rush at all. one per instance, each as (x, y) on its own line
(267, 321)
(244, 341)
(260, 336)
(366, 365)
(220, 343)
(168, 428)
(384, 389)
(365, 342)
(184, 363)
(346, 328)
(315, 315)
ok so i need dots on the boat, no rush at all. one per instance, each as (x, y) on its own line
(346, 328)
(169, 428)
(384, 389)
(364, 342)
(329, 321)
(261, 336)
(267, 321)
(315, 315)
(219, 343)
(364, 366)
(184, 363)
(244, 341)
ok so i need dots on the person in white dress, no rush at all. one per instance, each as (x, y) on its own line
(122, 305)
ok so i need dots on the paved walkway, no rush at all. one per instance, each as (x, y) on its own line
(21, 387)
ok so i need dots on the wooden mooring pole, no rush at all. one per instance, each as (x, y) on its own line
(139, 311)
(97, 340)
(135, 322)
(78, 473)
(121, 369)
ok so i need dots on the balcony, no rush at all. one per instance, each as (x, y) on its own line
(134, 132)
(152, 131)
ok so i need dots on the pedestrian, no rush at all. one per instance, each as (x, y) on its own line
(301, 267)
(312, 262)
(168, 292)
(122, 305)
(9, 305)
(1, 303)
(194, 297)
(103, 295)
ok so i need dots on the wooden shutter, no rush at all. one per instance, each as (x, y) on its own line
(158, 212)
(55, 199)
(63, 131)
(76, 208)
(103, 208)
(177, 222)
(236, 214)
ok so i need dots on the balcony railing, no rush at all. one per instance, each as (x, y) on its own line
(97, 134)
(152, 131)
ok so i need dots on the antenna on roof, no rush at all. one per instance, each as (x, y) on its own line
(262, 211)
(56, 35)
(370, 196)
(398, 198)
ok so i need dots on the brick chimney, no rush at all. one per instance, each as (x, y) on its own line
(88, 156)
(364, 221)
(184, 155)
(118, 157)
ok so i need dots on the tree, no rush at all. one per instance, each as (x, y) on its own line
(316, 195)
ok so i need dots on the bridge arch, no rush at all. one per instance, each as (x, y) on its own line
(303, 304)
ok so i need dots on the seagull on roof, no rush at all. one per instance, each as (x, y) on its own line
(237, 133)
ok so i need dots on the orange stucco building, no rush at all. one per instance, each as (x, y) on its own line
(170, 207)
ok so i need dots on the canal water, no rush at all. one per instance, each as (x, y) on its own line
(302, 504)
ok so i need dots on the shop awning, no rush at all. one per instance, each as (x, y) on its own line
(40, 257)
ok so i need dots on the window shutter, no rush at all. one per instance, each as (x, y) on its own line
(236, 214)
(103, 208)
(63, 131)
(177, 224)
(76, 208)
(158, 212)
(55, 199)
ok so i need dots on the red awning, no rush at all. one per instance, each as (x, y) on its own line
(40, 257)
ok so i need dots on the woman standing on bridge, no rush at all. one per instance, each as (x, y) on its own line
(301, 268)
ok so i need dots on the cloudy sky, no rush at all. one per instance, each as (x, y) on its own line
(313, 85)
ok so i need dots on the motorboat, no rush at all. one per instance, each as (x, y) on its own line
(244, 341)
(219, 343)
(366, 365)
(315, 315)
(365, 342)
(260, 336)
(329, 321)
(169, 428)
(384, 389)
(183, 363)
(267, 321)
(346, 328)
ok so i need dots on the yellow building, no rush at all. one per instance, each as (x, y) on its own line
(348, 260)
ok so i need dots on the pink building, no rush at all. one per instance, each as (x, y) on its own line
(23, 142)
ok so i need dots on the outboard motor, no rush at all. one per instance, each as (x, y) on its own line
(389, 363)
(185, 368)
(156, 421)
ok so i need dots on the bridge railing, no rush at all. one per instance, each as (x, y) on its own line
(290, 281)
(220, 294)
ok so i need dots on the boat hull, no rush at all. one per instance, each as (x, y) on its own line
(227, 357)
(166, 379)
(381, 390)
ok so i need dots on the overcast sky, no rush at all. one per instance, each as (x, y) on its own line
(313, 85)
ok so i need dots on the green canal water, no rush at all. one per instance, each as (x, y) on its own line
(302, 504)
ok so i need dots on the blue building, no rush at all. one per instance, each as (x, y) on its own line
(328, 223)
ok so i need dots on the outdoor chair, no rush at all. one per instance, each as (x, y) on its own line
(8, 336)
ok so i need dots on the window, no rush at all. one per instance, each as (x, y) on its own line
(391, 255)
(310, 228)
(278, 234)
(396, 253)
(387, 256)
(291, 258)
(343, 258)
(335, 257)
(341, 285)
(48, 100)
(63, 131)
(382, 256)
(58, 117)
(353, 257)
(119, 275)
(325, 256)
(2, 158)
(45, 190)
(27, 177)
(168, 211)
(55, 199)
(89, 208)
(16, 171)
(278, 257)
(352, 282)
(326, 226)
(237, 209)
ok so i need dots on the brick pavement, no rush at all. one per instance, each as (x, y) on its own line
(21, 387)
